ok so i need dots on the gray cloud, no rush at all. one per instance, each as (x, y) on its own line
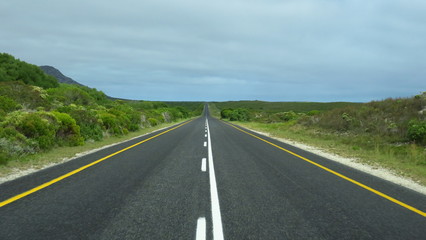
(318, 50)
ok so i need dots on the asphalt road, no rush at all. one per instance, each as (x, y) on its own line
(250, 189)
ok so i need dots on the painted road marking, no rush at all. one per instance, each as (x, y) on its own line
(338, 174)
(205, 135)
(38, 188)
(201, 229)
(203, 164)
(205, 144)
(216, 216)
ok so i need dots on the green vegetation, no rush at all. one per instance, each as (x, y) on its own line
(38, 114)
(197, 107)
(239, 114)
(274, 107)
(270, 112)
(12, 69)
(57, 155)
(389, 133)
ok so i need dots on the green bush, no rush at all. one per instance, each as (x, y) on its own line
(12, 134)
(109, 121)
(226, 113)
(69, 94)
(313, 112)
(98, 96)
(29, 97)
(68, 132)
(286, 116)
(8, 105)
(122, 122)
(90, 125)
(169, 115)
(153, 117)
(13, 119)
(40, 127)
(128, 118)
(182, 113)
(14, 144)
(135, 121)
(173, 114)
(153, 122)
(417, 131)
(240, 114)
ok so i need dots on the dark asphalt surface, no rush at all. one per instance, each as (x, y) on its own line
(157, 191)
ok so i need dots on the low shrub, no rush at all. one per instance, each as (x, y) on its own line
(69, 94)
(285, 116)
(182, 113)
(40, 127)
(8, 105)
(128, 118)
(240, 114)
(153, 122)
(68, 132)
(87, 119)
(13, 144)
(417, 131)
(109, 121)
(225, 113)
(29, 97)
(313, 112)
(134, 121)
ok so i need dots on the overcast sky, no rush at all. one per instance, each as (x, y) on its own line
(273, 50)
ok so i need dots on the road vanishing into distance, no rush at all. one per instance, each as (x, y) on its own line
(206, 179)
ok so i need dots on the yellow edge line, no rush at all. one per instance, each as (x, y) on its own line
(44, 185)
(338, 174)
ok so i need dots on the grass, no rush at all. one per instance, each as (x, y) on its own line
(407, 160)
(37, 161)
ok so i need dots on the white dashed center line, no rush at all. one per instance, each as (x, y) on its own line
(203, 164)
(201, 229)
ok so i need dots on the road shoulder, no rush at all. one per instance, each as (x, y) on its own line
(380, 172)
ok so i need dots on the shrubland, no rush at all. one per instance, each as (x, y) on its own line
(390, 133)
(38, 114)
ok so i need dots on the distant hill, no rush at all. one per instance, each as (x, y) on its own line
(49, 70)
(52, 71)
